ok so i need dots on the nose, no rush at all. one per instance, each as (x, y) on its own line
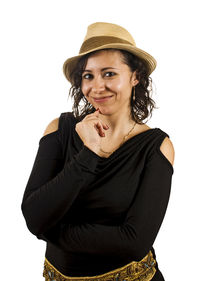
(98, 85)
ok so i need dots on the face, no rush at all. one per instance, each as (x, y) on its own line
(106, 75)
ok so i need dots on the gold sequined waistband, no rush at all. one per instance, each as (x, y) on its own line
(143, 270)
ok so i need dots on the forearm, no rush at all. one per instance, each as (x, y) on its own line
(44, 205)
(137, 234)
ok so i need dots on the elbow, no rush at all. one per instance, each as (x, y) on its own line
(135, 246)
(32, 222)
(139, 250)
(136, 250)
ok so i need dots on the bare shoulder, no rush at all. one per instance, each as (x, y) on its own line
(167, 149)
(52, 126)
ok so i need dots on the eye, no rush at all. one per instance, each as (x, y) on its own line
(85, 76)
(89, 76)
(110, 73)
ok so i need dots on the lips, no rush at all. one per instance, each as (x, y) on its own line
(102, 99)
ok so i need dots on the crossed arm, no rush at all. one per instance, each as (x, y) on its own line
(46, 200)
(137, 234)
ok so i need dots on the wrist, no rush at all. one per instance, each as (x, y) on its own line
(94, 147)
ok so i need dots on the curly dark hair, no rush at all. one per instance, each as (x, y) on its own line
(143, 105)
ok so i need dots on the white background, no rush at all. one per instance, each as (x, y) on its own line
(36, 38)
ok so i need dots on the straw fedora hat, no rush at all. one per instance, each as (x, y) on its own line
(103, 35)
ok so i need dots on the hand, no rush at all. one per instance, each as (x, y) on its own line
(90, 130)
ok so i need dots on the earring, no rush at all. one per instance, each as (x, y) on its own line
(133, 93)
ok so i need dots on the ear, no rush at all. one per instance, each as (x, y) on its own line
(134, 81)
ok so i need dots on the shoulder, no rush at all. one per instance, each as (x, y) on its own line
(167, 148)
(52, 126)
(59, 122)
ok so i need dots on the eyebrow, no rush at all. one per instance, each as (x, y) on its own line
(88, 70)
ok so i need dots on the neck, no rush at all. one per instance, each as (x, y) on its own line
(119, 124)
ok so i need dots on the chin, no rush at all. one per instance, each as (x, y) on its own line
(105, 110)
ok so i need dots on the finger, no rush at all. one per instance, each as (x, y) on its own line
(98, 109)
(100, 127)
(96, 113)
(92, 118)
(105, 126)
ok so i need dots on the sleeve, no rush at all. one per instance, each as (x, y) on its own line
(54, 184)
(135, 237)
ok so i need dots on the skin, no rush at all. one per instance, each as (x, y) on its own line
(115, 112)
(117, 80)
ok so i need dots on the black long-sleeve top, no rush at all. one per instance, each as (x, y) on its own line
(97, 214)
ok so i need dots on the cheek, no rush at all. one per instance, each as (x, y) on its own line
(118, 86)
(85, 89)
(123, 85)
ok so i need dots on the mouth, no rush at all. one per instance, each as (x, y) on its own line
(102, 99)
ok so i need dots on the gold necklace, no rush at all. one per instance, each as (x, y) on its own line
(124, 138)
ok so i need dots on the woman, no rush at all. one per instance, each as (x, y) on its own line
(101, 180)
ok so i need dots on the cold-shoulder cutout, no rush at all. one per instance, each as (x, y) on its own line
(56, 131)
(52, 127)
(51, 130)
(166, 150)
(100, 198)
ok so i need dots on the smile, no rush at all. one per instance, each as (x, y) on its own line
(102, 99)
